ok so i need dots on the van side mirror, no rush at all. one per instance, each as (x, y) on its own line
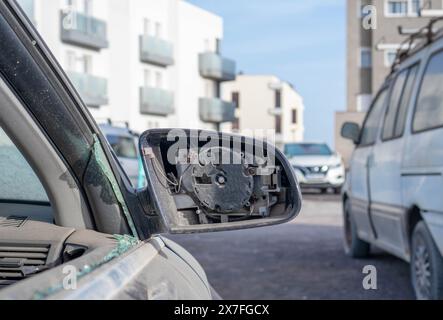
(351, 131)
(204, 181)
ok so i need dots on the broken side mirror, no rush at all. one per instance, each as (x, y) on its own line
(204, 181)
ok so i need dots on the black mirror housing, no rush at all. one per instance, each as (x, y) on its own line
(204, 181)
(351, 131)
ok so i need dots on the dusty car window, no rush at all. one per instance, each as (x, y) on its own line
(394, 102)
(369, 134)
(18, 181)
(429, 112)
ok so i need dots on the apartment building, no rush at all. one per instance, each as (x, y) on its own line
(148, 63)
(371, 51)
(264, 102)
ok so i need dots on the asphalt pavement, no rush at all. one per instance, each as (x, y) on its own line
(302, 259)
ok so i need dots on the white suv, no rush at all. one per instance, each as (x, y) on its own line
(392, 197)
(316, 166)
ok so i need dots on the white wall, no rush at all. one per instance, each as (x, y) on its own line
(186, 26)
(196, 29)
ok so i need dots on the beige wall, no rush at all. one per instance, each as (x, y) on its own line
(257, 104)
(343, 146)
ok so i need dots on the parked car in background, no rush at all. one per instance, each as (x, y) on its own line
(392, 197)
(316, 166)
(124, 143)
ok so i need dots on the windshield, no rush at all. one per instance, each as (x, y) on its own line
(18, 182)
(124, 147)
(306, 149)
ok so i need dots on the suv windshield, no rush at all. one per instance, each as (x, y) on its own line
(124, 147)
(307, 149)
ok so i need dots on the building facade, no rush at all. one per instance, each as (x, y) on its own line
(265, 103)
(147, 63)
(371, 50)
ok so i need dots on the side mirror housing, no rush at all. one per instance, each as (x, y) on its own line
(351, 131)
(204, 181)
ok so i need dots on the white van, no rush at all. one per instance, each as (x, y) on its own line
(393, 194)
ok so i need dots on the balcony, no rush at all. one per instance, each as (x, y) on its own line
(93, 90)
(156, 51)
(214, 110)
(215, 67)
(85, 31)
(155, 101)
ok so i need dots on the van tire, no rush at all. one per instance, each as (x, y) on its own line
(353, 245)
(425, 257)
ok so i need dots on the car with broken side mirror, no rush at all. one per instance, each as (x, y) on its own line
(72, 226)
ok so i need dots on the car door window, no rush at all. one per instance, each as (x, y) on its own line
(393, 105)
(404, 103)
(370, 128)
(18, 181)
(429, 108)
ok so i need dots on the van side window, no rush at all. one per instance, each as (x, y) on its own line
(370, 129)
(429, 108)
(398, 106)
(394, 102)
(404, 103)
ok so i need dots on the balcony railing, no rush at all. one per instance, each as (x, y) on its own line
(156, 51)
(213, 66)
(155, 101)
(83, 30)
(92, 89)
(214, 110)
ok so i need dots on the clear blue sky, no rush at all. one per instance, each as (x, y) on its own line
(300, 41)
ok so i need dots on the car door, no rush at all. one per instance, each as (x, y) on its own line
(386, 210)
(109, 231)
(360, 195)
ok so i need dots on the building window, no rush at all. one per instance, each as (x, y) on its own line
(236, 99)
(277, 99)
(365, 58)
(390, 56)
(294, 116)
(403, 8)
(278, 128)
(363, 102)
(397, 7)
(236, 124)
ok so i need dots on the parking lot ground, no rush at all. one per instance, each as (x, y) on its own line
(303, 259)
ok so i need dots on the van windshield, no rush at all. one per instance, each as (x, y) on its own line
(307, 149)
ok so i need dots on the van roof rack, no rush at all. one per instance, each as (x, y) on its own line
(417, 41)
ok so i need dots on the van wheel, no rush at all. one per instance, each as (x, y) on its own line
(354, 246)
(426, 265)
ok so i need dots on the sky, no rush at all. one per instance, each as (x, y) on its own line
(300, 41)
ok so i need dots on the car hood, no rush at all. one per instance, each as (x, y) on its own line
(313, 161)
